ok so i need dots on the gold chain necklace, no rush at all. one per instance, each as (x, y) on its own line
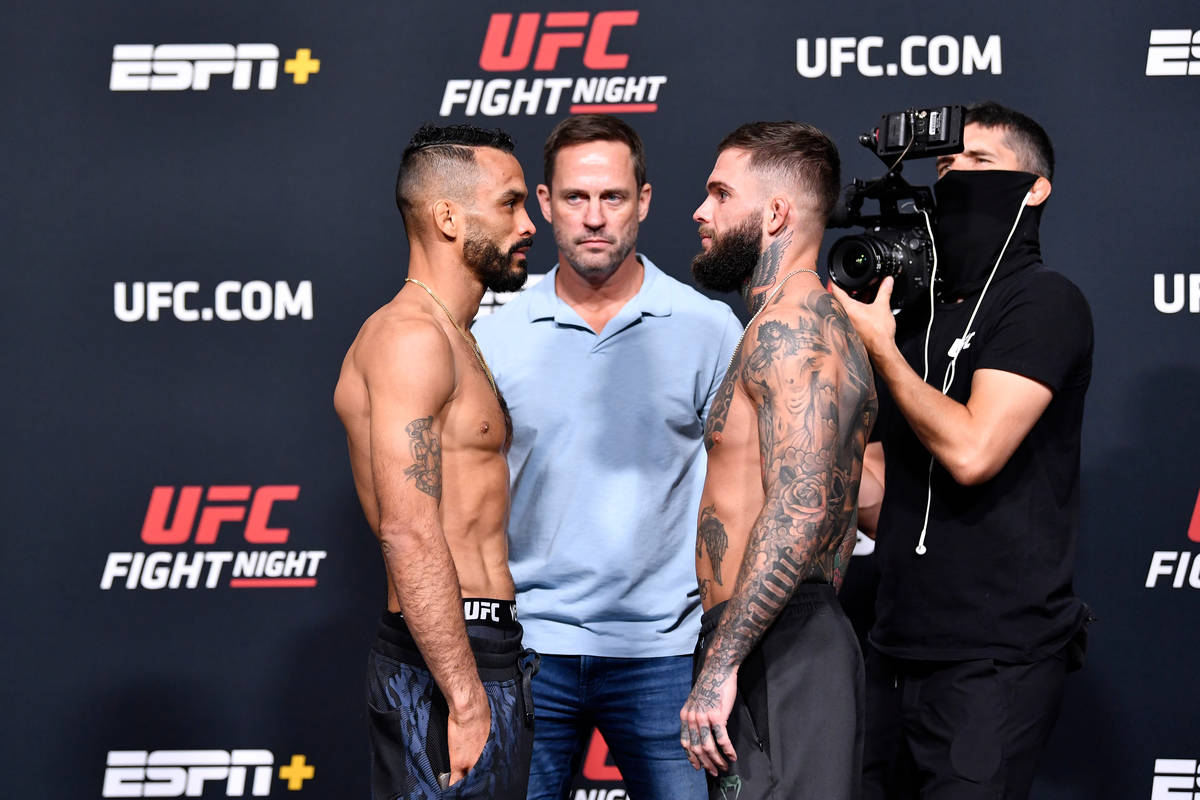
(738, 348)
(466, 338)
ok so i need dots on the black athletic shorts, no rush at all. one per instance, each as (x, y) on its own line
(409, 753)
(797, 721)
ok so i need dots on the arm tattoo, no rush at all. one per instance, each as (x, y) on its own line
(766, 271)
(812, 383)
(711, 536)
(426, 448)
(715, 424)
(838, 328)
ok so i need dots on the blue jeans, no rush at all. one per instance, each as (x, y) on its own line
(634, 702)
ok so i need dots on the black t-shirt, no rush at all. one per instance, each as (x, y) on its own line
(996, 578)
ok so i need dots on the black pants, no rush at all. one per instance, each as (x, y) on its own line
(957, 730)
(797, 721)
(408, 716)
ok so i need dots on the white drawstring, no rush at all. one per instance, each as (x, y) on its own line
(960, 344)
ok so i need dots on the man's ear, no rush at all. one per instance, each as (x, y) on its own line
(1040, 192)
(644, 202)
(543, 195)
(447, 218)
(776, 214)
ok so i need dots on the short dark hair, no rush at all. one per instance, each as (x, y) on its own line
(594, 128)
(443, 156)
(1026, 138)
(800, 153)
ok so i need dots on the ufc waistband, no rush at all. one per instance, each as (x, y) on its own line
(481, 611)
(494, 634)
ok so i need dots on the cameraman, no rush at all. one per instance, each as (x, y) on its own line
(976, 609)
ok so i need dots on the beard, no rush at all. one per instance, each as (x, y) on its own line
(731, 258)
(496, 268)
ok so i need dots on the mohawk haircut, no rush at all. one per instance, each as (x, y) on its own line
(1027, 139)
(793, 153)
(442, 159)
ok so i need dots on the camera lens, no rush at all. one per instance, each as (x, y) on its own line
(857, 261)
(854, 262)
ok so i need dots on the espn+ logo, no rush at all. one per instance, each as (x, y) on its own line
(184, 773)
(1173, 51)
(200, 516)
(1175, 779)
(182, 67)
(536, 41)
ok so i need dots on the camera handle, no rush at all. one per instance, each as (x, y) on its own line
(891, 187)
(889, 190)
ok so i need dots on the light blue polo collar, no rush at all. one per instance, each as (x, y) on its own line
(652, 299)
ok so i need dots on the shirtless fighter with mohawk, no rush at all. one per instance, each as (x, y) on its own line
(447, 680)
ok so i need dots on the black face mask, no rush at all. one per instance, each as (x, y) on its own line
(975, 212)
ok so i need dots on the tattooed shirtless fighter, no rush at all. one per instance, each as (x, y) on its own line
(447, 684)
(775, 710)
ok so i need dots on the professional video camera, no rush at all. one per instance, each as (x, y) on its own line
(896, 241)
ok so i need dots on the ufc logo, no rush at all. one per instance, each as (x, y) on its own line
(562, 30)
(597, 765)
(1184, 291)
(233, 500)
(1194, 527)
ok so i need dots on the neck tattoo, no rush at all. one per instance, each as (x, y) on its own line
(768, 266)
(470, 340)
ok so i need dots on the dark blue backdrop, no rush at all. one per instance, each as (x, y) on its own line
(269, 209)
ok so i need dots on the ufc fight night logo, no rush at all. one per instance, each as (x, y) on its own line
(1173, 51)
(918, 56)
(537, 43)
(183, 67)
(199, 516)
(194, 773)
(1174, 564)
(1175, 779)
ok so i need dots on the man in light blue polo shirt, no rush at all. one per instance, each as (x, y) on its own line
(608, 367)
